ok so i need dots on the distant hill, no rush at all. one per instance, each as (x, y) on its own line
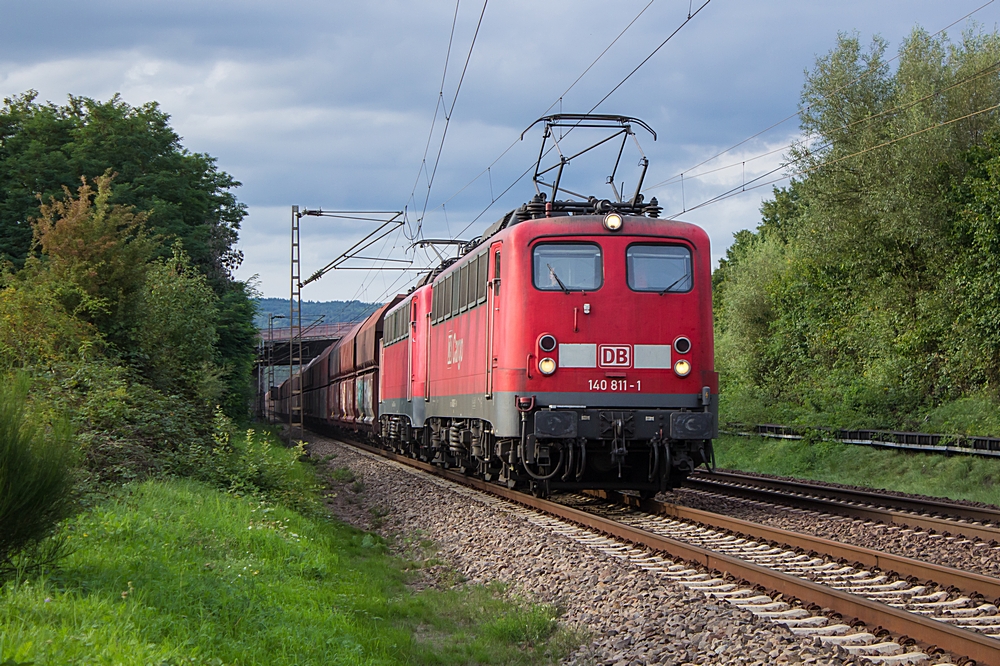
(332, 311)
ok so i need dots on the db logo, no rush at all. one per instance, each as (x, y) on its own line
(615, 356)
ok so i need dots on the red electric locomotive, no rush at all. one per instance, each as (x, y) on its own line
(569, 347)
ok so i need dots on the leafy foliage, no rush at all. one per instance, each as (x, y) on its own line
(141, 385)
(46, 148)
(867, 295)
(174, 342)
(96, 256)
(162, 195)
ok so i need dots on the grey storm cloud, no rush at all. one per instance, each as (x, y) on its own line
(330, 103)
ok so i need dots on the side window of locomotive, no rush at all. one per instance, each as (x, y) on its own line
(496, 274)
(484, 265)
(455, 301)
(567, 266)
(660, 268)
(463, 288)
(446, 297)
(441, 301)
(473, 294)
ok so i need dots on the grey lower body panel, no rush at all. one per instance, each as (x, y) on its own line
(415, 410)
(501, 411)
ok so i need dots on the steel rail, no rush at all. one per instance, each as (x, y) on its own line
(983, 649)
(858, 504)
(967, 582)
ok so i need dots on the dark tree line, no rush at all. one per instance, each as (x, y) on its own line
(870, 292)
(47, 151)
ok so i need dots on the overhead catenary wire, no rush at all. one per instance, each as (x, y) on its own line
(487, 170)
(690, 16)
(989, 69)
(447, 121)
(739, 190)
(687, 20)
(448, 115)
(437, 107)
(746, 185)
(802, 109)
(551, 106)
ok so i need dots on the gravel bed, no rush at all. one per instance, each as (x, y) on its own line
(629, 615)
(950, 551)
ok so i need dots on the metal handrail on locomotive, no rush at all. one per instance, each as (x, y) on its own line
(569, 347)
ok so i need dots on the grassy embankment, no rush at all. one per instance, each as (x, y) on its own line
(957, 477)
(176, 572)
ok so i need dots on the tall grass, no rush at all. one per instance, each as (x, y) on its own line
(36, 480)
(176, 572)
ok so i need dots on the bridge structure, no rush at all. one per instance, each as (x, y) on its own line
(275, 347)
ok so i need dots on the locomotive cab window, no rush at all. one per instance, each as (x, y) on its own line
(660, 268)
(567, 267)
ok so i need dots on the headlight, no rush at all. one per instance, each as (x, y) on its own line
(682, 345)
(612, 221)
(547, 343)
(682, 368)
(547, 366)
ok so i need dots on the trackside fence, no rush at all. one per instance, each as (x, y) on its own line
(890, 439)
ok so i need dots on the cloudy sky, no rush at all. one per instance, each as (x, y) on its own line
(330, 104)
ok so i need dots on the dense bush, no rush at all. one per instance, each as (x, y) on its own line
(163, 195)
(868, 294)
(133, 343)
(136, 367)
(36, 478)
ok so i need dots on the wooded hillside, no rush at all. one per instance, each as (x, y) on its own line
(869, 295)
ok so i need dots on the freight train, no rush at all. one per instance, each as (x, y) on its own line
(569, 347)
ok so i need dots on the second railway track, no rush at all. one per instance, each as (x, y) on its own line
(811, 590)
(938, 516)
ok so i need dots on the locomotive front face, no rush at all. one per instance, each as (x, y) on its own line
(613, 340)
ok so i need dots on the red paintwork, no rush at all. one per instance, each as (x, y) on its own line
(493, 347)
(618, 314)
(522, 314)
(406, 361)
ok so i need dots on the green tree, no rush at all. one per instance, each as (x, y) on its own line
(175, 335)
(45, 148)
(855, 302)
(45, 151)
(96, 255)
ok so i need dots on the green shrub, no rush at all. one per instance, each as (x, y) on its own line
(248, 464)
(36, 479)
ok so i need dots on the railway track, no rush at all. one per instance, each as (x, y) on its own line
(870, 607)
(936, 516)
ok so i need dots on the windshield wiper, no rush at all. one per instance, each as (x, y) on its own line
(553, 274)
(674, 284)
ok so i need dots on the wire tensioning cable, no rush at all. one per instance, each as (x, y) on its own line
(550, 107)
(437, 108)
(687, 20)
(447, 120)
